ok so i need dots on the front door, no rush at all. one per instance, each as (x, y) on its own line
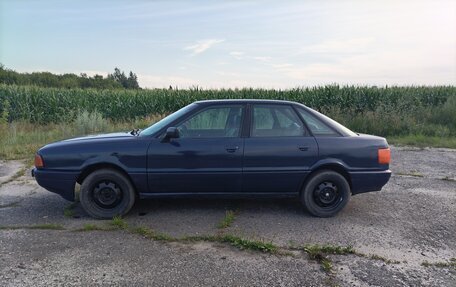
(279, 152)
(206, 158)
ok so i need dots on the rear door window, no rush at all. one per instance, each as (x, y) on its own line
(316, 126)
(275, 121)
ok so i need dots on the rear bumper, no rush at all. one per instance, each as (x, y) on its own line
(366, 181)
(60, 182)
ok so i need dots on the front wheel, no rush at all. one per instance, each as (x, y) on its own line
(325, 193)
(106, 193)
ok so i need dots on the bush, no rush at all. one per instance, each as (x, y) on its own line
(90, 122)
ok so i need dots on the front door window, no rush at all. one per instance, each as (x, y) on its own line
(215, 122)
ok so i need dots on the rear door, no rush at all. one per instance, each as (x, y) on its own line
(279, 150)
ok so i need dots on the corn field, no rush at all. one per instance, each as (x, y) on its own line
(380, 110)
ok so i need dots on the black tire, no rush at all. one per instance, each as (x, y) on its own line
(106, 193)
(325, 193)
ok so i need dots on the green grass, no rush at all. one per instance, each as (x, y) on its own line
(413, 115)
(31, 117)
(227, 220)
(236, 241)
(326, 265)
(11, 227)
(318, 252)
(381, 258)
(68, 211)
(90, 227)
(49, 226)
(412, 173)
(151, 234)
(314, 249)
(443, 264)
(45, 226)
(423, 141)
(241, 243)
(119, 223)
(46, 105)
(21, 140)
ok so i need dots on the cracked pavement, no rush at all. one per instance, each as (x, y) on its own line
(412, 220)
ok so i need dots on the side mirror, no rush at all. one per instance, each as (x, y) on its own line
(171, 133)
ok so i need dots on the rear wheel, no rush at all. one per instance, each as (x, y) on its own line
(325, 193)
(106, 193)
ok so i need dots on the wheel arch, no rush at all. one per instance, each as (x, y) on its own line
(337, 167)
(104, 165)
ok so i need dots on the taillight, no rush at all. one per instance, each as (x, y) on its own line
(39, 161)
(384, 156)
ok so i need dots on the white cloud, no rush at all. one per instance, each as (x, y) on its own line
(228, 80)
(263, 59)
(282, 66)
(229, 74)
(376, 68)
(203, 45)
(237, 55)
(355, 45)
(153, 81)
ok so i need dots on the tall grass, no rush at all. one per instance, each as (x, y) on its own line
(433, 120)
(21, 139)
(33, 116)
(46, 105)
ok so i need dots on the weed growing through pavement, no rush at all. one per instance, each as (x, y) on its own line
(227, 220)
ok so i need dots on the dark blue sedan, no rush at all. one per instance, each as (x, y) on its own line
(224, 148)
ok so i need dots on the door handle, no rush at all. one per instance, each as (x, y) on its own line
(232, 149)
(303, 148)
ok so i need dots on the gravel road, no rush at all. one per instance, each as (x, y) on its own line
(404, 235)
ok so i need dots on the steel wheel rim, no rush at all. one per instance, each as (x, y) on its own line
(107, 194)
(327, 195)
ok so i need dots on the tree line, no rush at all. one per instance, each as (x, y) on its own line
(116, 80)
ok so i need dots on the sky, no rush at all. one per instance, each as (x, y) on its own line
(235, 44)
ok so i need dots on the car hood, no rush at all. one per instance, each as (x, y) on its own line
(100, 136)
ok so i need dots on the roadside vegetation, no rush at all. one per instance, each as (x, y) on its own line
(21, 139)
(319, 253)
(32, 116)
(119, 223)
(444, 264)
(69, 211)
(226, 222)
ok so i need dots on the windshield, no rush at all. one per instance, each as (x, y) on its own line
(165, 121)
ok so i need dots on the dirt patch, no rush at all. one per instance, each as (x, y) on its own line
(8, 169)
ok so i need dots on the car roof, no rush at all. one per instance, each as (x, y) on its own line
(244, 101)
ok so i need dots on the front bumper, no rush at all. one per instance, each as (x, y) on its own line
(366, 181)
(60, 182)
